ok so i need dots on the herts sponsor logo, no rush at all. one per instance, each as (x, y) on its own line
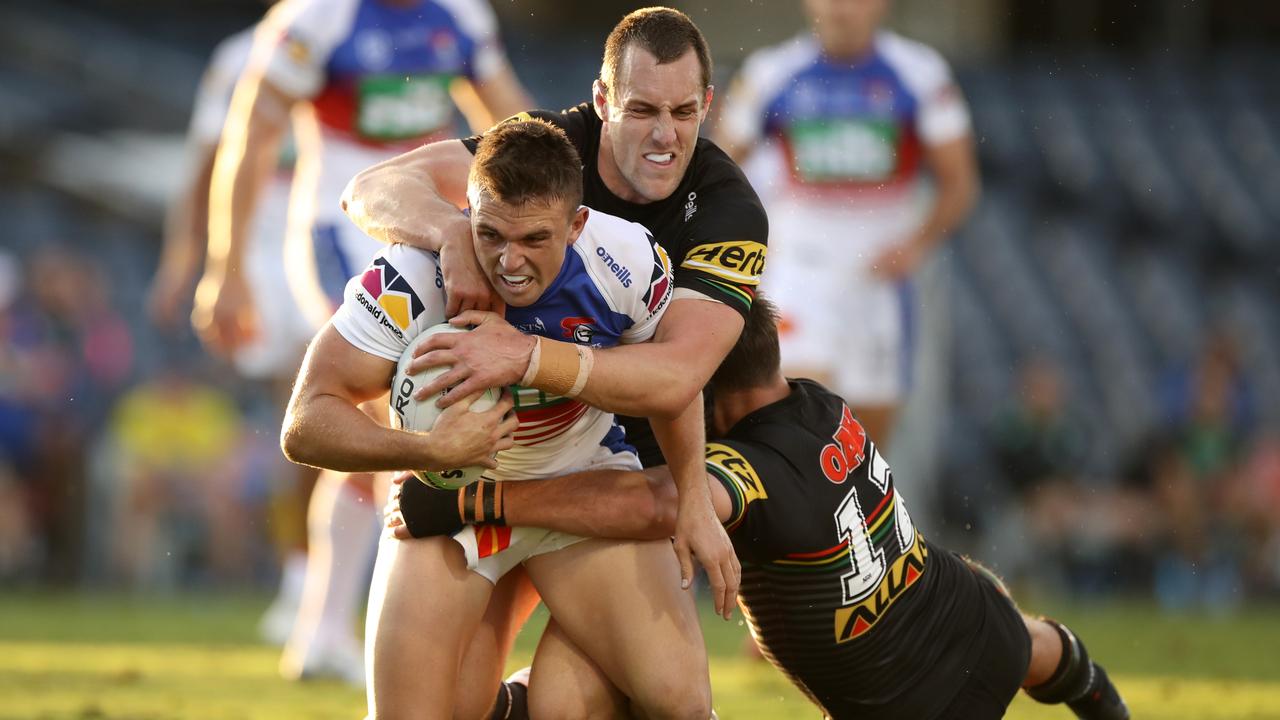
(659, 280)
(388, 297)
(843, 456)
(733, 465)
(622, 272)
(737, 261)
(578, 329)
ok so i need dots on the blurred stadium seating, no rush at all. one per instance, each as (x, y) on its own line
(1131, 207)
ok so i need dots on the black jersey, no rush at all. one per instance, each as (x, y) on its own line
(843, 593)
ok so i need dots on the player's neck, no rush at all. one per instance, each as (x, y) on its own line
(731, 407)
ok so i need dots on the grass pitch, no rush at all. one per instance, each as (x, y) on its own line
(64, 656)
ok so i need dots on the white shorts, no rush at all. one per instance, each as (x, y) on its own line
(837, 319)
(283, 329)
(492, 550)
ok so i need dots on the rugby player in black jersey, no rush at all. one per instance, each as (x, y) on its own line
(845, 596)
(643, 161)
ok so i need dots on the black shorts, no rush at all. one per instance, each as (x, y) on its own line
(1003, 664)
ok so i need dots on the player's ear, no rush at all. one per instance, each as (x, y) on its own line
(706, 101)
(579, 221)
(600, 99)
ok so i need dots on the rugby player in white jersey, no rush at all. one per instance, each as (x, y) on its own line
(566, 273)
(840, 130)
(360, 80)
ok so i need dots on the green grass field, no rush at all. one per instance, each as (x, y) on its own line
(65, 656)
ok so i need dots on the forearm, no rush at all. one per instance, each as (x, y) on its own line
(413, 198)
(246, 158)
(662, 377)
(683, 443)
(186, 223)
(599, 503)
(331, 432)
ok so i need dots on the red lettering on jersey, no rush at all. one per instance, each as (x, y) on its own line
(847, 452)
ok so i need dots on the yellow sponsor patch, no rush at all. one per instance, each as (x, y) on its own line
(735, 466)
(397, 308)
(853, 621)
(736, 261)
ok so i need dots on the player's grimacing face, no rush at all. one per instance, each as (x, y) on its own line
(651, 122)
(521, 246)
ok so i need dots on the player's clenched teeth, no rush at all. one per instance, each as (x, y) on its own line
(516, 281)
(660, 158)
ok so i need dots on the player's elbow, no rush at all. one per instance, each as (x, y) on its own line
(672, 401)
(295, 441)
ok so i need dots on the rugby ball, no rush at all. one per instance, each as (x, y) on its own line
(409, 413)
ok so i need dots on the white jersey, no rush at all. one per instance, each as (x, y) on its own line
(613, 288)
(841, 142)
(376, 76)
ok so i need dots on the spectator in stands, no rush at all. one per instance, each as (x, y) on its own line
(178, 485)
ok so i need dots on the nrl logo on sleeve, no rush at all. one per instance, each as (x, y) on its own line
(659, 280)
(737, 261)
(394, 303)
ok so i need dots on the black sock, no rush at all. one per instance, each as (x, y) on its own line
(1080, 683)
(512, 702)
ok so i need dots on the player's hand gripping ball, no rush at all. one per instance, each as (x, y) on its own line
(408, 413)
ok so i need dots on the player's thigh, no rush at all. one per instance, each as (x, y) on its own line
(568, 684)
(513, 600)
(424, 608)
(621, 603)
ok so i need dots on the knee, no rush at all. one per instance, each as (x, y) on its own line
(684, 698)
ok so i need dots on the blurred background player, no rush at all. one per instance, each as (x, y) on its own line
(837, 128)
(272, 356)
(361, 80)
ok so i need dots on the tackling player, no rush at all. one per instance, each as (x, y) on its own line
(360, 80)
(643, 161)
(564, 272)
(844, 594)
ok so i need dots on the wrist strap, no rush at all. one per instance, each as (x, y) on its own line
(481, 503)
(559, 368)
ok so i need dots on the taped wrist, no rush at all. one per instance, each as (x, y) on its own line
(481, 503)
(428, 511)
(1073, 676)
(559, 368)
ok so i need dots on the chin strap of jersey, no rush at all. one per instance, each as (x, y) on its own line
(1080, 683)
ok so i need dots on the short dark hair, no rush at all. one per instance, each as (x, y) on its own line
(527, 160)
(755, 359)
(665, 33)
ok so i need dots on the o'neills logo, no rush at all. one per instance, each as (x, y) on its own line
(622, 272)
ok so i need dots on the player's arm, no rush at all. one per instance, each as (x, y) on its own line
(485, 102)
(324, 426)
(414, 199)
(955, 173)
(618, 504)
(247, 154)
(186, 233)
(655, 379)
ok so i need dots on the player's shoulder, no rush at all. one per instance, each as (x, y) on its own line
(319, 19)
(723, 196)
(474, 17)
(619, 254)
(231, 55)
(912, 59)
(774, 64)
